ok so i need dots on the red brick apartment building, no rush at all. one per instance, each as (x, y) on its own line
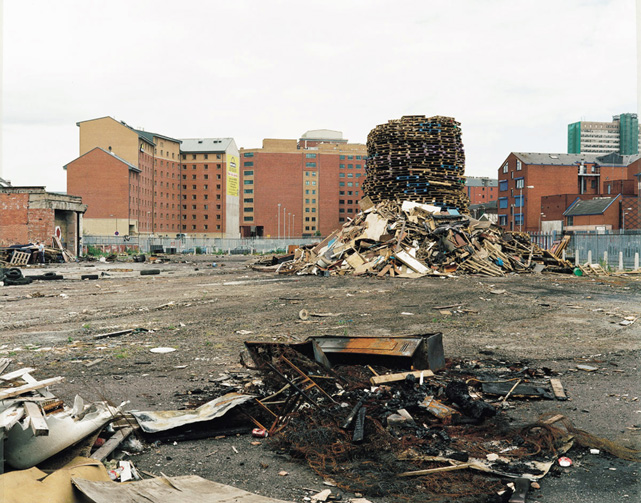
(134, 181)
(481, 190)
(538, 187)
(210, 185)
(303, 187)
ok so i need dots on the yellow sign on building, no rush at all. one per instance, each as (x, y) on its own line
(232, 175)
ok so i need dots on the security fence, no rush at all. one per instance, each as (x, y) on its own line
(614, 249)
(146, 244)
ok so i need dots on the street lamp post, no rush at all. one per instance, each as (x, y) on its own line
(284, 222)
(289, 222)
(625, 212)
(278, 220)
(522, 206)
(293, 225)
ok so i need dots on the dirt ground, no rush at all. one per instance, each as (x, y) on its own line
(205, 312)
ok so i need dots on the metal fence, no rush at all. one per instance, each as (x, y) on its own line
(144, 244)
(608, 248)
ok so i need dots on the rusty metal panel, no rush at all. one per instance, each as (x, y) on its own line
(415, 351)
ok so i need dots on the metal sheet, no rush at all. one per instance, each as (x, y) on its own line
(155, 421)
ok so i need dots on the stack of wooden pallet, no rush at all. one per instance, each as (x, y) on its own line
(417, 159)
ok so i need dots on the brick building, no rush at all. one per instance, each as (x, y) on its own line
(30, 214)
(304, 187)
(134, 181)
(598, 213)
(210, 185)
(481, 190)
(526, 178)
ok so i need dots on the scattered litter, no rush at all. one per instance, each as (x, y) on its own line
(162, 350)
(587, 368)
(565, 462)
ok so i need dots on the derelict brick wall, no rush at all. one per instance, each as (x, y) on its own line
(41, 225)
(328, 193)
(102, 182)
(13, 219)
(481, 195)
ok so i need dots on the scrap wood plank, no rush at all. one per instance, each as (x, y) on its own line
(4, 363)
(29, 379)
(10, 416)
(19, 390)
(20, 258)
(558, 390)
(36, 420)
(15, 374)
(382, 379)
(110, 445)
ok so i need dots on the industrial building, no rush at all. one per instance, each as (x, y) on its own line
(481, 190)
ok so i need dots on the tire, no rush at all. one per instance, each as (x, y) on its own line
(89, 276)
(13, 273)
(149, 272)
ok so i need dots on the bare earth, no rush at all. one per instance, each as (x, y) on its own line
(555, 321)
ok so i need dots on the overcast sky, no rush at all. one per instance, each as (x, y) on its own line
(513, 72)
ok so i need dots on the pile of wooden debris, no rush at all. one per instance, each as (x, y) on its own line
(412, 240)
(19, 255)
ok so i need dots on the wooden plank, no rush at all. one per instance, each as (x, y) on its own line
(558, 390)
(10, 416)
(4, 363)
(36, 420)
(110, 445)
(29, 379)
(11, 392)
(416, 473)
(382, 379)
(16, 373)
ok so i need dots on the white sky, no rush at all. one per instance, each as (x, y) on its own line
(513, 72)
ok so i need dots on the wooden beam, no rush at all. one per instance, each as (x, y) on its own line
(110, 445)
(36, 420)
(382, 379)
(11, 392)
(15, 374)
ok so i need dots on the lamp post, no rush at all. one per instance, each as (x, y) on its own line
(278, 220)
(522, 206)
(624, 213)
(289, 222)
(542, 215)
(293, 225)
(284, 222)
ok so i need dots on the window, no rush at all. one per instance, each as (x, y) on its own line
(341, 184)
(518, 219)
(505, 168)
(358, 175)
(310, 156)
(313, 182)
(341, 193)
(193, 227)
(519, 183)
(313, 210)
(193, 217)
(248, 191)
(342, 158)
(342, 166)
(248, 182)
(310, 164)
(306, 201)
(350, 175)
(184, 156)
(358, 157)
(350, 157)
(249, 209)
(341, 201)
(349, 201)
(184, 177)
(248, 154)
(206, 226)
(206, 166)
(193, 156)
(503, 202)
(350, 166)
(193, 177)
(206, 207)
(341, 175)
(248, 173)
(193, 206)
(248, 200)
(206, 177)
(518, 201)
(193, 187)
(341, 219)
(248, 219)
(518, 165)
(218, 176)
(193, 166)
(341, 210)
(350, 210)
(206, 156)
(358, 166)
(194, 196)
(247, 164)
(350, 184)
(502, 185)
(502, 219)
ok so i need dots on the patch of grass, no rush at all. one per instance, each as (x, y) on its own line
(87, 326)
(122, 354)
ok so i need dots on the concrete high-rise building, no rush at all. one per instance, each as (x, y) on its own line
(621, 136)
(303, 187)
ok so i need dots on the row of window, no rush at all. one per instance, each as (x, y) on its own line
(350, 157)
(519, 184)
(184, 227)
(349, 175)
(349, 184)
(204, 156)
(205, 166)
(350, 166)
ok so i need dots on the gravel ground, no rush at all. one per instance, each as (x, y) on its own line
(205, 312)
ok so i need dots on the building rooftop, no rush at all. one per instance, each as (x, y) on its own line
(595, 206)
(129, 165)
(571, 159)
(202, 145)
(323, 135)
(478, 181)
